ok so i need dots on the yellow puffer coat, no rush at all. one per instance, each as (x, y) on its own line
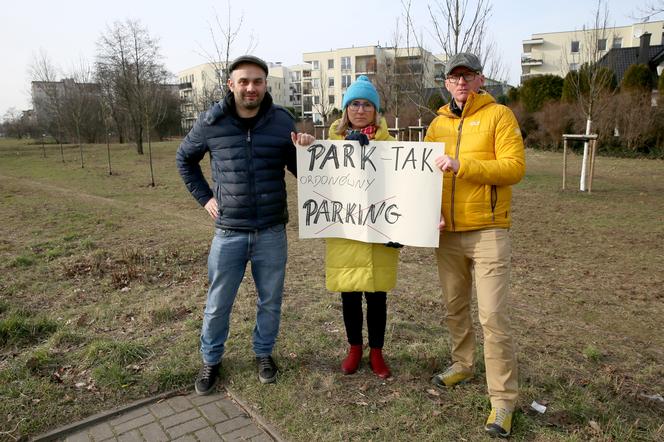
(487, 142)
(355, 266)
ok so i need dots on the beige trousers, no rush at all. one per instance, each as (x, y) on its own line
(486, 253)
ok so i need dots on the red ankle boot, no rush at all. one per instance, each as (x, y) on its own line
(352, 361)
(377, 363)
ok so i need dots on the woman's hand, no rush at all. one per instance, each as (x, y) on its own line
(301, 139)
(359, 137)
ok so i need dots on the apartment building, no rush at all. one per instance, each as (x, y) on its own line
(559, 52)
(315, 88)
(334, 70)
(202, 85)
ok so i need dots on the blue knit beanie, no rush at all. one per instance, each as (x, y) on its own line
(361, 89)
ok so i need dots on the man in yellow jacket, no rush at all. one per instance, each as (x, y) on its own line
(484, 156)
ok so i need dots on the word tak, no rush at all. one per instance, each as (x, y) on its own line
(319, 156)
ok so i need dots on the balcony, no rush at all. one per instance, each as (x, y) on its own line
(528, 60)
(365, 68)
(183, 86)
(528, 75)
(533, 41)
(366, 65)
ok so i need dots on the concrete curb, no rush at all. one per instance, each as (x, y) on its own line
(62, 432)
(269, 429)
(59, 433)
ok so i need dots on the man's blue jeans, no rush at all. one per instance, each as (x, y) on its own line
(230, 251)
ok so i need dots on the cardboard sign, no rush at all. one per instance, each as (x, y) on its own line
(385, 191)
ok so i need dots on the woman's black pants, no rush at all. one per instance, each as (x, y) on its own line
(376, 317)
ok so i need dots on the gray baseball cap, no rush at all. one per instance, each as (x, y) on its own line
(247, 59)
(465, 59)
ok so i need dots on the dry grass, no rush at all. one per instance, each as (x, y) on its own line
(102, 287)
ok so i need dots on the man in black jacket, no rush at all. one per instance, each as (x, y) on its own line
(250, 141)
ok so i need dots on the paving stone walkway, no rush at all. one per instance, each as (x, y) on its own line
(184, 418)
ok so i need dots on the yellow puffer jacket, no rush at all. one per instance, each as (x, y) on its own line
(487, 142)
(355, 266)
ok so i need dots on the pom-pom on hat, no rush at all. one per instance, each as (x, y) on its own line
(361, 89)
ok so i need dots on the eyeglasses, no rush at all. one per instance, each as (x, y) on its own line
(467, 76)
(356, 105)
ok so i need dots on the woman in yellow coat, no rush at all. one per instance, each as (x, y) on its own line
(355, 267)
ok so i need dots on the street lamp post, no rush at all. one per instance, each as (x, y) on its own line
(43, 147)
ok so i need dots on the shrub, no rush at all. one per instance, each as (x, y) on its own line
(638, 78)
(578, 82)
(436, 101)
(538, 90)
(512, 95)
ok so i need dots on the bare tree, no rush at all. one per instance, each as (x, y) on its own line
(386, 82)
(417, 65)
(112, 103)
(16, 124)
(46, 98)
(128, 58)
(635, 126)
(154, 111)
(591, 82)
(461, 26)
(321, 98)
(80, 102)
(223, 34)
(651, 9)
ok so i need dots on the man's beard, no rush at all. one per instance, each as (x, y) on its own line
(251, 104)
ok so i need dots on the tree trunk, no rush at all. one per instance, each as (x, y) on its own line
(80, 146)
(584, 163)
(108, 151)
(139, 140)
(150, 158)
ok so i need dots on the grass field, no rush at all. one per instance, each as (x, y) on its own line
(103, 281)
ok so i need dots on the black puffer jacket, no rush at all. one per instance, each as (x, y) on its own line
(247, 164)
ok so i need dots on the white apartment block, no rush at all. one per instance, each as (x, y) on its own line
(333, 71)
(201, 85)
(559, 52)
(315, 87)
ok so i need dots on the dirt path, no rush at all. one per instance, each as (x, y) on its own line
(78, 194)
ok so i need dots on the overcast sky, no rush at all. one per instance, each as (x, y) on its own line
(67, 30)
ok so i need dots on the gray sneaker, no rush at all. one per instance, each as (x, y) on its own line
(207, 379)
(267, 369)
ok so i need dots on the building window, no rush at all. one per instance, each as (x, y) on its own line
(330, 82)
(601, 44)
(574, 67)
(315, 83)
(315, 65)
(345, 62)
(316, 99)
(575, 46)
(617, 42)
(330, 99)
(345, 81)
(330, 64)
